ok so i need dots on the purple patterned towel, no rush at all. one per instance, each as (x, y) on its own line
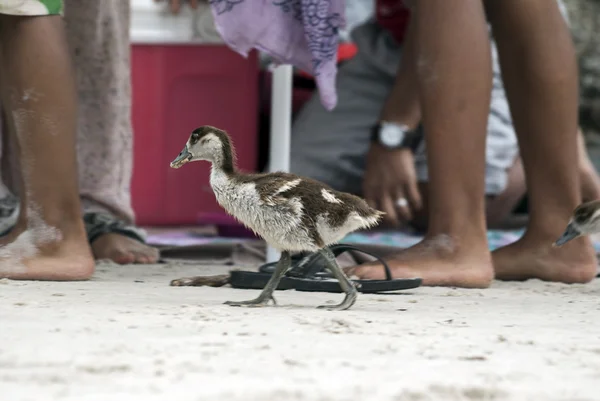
(303, 33)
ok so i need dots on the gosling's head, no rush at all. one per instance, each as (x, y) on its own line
(205, 143)
(585, 221)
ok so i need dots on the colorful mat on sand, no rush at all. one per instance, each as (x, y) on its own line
(398, 239)
(496, 239)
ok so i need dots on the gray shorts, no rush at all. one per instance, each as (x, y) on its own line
(331, 146)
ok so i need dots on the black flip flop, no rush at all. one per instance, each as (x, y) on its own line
(258, 280)
(97, 224)
(308, 273)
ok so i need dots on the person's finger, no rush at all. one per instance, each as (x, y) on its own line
(402, 206)
(370, 191)
(194, 3)
(414, 195)
(175, 6)
(369, 194)
(371, 201)
(387, 206)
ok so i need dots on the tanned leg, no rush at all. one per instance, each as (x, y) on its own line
(39, 95)
(590, 181)
(539, 68)
(498, 213)
(455, 78)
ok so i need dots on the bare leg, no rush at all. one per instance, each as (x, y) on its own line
(41, 103)
(267, 293)
(455, 77)
(539, 67)
(98, 33)
(12, 183)
(497, 209)
(345, 283)
(9, 204)
(590, 181)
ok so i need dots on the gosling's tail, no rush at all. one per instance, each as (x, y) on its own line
(368, 216)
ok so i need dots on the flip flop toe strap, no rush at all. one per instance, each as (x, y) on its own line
(97, 224)
(311, 265)
(338, 249)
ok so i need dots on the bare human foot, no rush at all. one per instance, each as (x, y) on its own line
(46, 254)
(123, 250)
(113, 246)
(439, 261)
(536, 258)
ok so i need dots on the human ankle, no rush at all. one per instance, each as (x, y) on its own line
(44, 233)
(458, 247)
(66, 217)
(458, 238)
(544, 230)
(67, 231)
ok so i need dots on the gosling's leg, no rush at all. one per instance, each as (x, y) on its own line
(267, 294)
(345, 283)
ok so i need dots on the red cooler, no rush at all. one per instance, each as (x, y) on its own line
(177, 87)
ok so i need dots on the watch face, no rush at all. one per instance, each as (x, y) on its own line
(391, 135)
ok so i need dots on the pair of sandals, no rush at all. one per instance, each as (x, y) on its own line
(309, 273)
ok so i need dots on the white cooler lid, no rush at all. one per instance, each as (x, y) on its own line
(152, 23)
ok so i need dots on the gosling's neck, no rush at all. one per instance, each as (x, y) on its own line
(222, 175)
(224, 161)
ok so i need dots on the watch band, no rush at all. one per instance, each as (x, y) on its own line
(411, 140)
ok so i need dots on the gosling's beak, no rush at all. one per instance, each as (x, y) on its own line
(570, 233)
(183, 157)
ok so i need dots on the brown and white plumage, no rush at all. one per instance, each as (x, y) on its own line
(290, 212)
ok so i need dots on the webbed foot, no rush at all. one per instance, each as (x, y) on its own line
(253, 303)
(347, 303)
(347, 286)
(267, 294)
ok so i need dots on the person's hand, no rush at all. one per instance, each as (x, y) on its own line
(175, 5)
(390, 184)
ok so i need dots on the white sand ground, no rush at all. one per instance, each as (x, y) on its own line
(127, 335)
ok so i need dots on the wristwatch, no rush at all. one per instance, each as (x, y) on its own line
(395, 136)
